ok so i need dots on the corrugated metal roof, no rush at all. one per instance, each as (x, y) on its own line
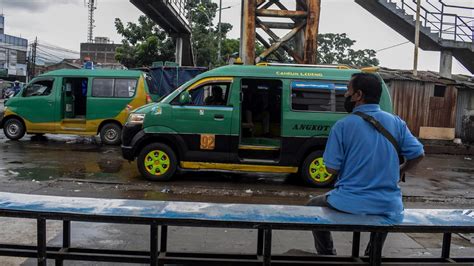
(426, 76)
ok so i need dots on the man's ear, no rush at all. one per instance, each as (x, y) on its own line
(359, 95)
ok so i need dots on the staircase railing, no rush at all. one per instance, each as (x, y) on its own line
(180, 6)
(449, 22)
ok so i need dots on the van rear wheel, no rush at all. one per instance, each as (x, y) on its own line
(14, 129)
(110, 134)
(157, 162)
(314, 172)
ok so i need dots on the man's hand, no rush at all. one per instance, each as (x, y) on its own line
(410, 164)
(332, 171)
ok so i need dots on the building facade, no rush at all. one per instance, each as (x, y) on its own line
(101, 52)
(13, 52)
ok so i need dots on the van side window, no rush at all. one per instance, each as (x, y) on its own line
(320, 96)
(103, 88)
(39, 88)
(118, 88)
(214, 94)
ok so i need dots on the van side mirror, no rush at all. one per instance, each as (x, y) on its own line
(185, 98)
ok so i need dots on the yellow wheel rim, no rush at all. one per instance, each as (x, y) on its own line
(157, 162)
(318, 172)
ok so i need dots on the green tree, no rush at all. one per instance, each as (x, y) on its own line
(336, 49)
(143, 43)
(206, 35)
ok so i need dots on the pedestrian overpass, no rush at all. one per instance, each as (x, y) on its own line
(445, 28)
(171, 16)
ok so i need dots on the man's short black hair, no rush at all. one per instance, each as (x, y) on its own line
(370, 86)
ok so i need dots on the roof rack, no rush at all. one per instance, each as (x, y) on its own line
(373, 69)
(303, 65)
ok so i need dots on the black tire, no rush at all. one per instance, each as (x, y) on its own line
(14, 129)
(315, 175)
(110, 134)
(167, 162)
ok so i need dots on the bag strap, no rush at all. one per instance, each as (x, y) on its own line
(385, 133)
(380, 128)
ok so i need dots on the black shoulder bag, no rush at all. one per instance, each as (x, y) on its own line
(386, 134)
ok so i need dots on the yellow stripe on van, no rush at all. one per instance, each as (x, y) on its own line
(239, 167)
(209, 80)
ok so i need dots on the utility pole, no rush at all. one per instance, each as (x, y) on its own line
(417, 38)
(219, 34)
(33, 58)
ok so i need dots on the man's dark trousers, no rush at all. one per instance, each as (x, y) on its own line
(323, 239)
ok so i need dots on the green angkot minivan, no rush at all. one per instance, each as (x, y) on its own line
(77, 101)
(270, 118)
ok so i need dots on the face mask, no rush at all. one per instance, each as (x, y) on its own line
(349, 105)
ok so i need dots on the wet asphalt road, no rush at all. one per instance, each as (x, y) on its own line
(80, 166)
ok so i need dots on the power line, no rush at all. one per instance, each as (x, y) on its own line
(54, 47)
(60, 54)
(393, 46)
(50, 54)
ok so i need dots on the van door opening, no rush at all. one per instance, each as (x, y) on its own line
(75, 98)
(260, 137)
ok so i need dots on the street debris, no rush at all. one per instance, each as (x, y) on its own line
(166, 190)
(13, 172)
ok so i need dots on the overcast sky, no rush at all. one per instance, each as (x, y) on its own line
(64, 23)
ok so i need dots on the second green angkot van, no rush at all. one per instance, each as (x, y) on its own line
(273, 118)
(79, 101)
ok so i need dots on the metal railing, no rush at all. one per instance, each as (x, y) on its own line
(446, 20)
(180, 6)
(263, 220)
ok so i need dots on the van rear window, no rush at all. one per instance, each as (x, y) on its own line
(319, 96)
(114, 88)
(125, 88)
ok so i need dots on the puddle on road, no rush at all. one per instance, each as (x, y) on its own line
(54, 157)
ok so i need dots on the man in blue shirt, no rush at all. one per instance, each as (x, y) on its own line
(365, 161)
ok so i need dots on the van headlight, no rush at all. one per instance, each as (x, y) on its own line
(135, 119)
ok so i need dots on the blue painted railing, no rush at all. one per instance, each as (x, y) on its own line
(263, 218)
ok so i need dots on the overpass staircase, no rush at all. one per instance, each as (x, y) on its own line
(444, 27)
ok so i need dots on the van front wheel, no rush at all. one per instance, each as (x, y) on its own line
(314, 172)
(14, 129)
(157, 162)
(110, 134)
